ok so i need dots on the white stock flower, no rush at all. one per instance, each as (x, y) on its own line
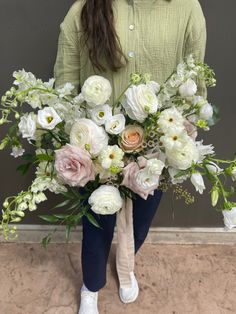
(115, 124)
(111, 157)
(183, 157)
(33, 99)
(65, 90)
(174, 138)
(206, 112)
(27, 125)
(17, 151)
(188, 89)
(100, 114)
(213, 168)
(155, 166)
(88, 135)
(106, 200)
(170, 117)
(48, 118)
(140, 101)
(204, 150)
(229, 217)
(197, 181)
(96, 90)
(24, 79)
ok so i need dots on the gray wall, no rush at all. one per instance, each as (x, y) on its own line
(29, 32)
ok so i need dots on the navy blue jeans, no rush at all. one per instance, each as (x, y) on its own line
(96, 242)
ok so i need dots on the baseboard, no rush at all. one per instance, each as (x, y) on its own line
(157, 235)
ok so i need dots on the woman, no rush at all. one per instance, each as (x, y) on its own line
(115, 38)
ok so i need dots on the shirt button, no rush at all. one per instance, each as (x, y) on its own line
(131, 54)
(131, 27)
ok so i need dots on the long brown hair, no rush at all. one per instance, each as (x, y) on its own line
(99, 35)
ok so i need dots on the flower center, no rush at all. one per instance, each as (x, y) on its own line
(175, 138)
(111, 156)
(171, 120)
(49, 119)
(101, 114)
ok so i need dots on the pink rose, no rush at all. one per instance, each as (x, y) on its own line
(74, 165)
(132, 138)
(130, 173)
(191, 129)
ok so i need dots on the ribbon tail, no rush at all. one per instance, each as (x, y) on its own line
(125, 244)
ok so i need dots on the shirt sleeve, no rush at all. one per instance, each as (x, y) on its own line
(195, 40)
(67, 64)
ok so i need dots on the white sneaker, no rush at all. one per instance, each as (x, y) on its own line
(128, 295)
(88, 302)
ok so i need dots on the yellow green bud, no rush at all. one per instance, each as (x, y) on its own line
(214, 196)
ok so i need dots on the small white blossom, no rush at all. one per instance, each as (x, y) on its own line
(17, 151)
(65, 90)
(111, 156)
(100, 114)
(229, 217)
(27, 125)
(188, 89)
(206, 112)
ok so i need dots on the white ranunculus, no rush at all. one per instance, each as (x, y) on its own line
(17, 151)
(96, 90)
(206, 112)
(100, 114)
(140, 101)
(48, 118)
(175, 138)
(111, 156)
(106, 200)
(188, 89)
(115, 124)
(197, 181)
(155, 166)
(170, 117)
(230, 217)
(183, 158)
(147, 180)
(88, 135)
(213, 168)
(27, 125)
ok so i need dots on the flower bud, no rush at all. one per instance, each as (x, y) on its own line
(17, 219)
(17, 116)
(214, 196)
(20, 213)
(135, 78)
(5, 204)
(3, 143)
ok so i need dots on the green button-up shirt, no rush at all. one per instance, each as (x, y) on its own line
(155, 35)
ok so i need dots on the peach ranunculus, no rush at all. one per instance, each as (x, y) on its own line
(132, 138)
(74, 165)
(130, 180)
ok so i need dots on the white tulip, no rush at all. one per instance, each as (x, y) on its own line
(188, 89)
(206, 112)
(27, 125)
(48, 118)
(96, 90)
(106, 200)
(116, 124)
(197, 181)
(230, 217)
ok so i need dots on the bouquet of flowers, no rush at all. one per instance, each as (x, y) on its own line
(96, 153)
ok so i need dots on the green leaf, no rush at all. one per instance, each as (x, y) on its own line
(181, 173)
(44, 157)
(92, 220)
(28, 157)
(67, 195)
(24, 168)
(74, 205)
(64, 203)
(61, 216)
(49, 218)
(45, 241)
